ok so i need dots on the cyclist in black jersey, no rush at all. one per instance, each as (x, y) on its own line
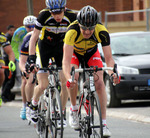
(8, 49)
(50, 27)
(80, 46)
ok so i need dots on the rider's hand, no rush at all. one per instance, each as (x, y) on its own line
(70, 83)
(116, 80)
(30, 63)
(12, 66)
(25, 74)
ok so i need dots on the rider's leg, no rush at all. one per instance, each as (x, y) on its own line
(29, 88)
(64, 93)
(38, 91)
(23, 109)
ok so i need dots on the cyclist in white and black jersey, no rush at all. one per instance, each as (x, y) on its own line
(51, 27)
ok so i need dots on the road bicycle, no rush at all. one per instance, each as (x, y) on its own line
(89, 112)
(50, 108)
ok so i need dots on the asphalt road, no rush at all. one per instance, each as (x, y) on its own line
(130, 120)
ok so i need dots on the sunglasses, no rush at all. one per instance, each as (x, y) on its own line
(56, 11)
(30, 26)
(87, 28)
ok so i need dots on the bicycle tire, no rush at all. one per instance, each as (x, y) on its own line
(95, 123)
(57, 115)
(41, 125)
(82, 117)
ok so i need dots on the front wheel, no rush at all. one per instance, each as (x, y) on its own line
(90, 119)
(56, 123)
(112, 100)
(95, 123)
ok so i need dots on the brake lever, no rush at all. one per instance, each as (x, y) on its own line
(72, 73)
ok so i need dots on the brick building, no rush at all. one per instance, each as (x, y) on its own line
(13, 12)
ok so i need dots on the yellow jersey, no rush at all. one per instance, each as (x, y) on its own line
(81, 45)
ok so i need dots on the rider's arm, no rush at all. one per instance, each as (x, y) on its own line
(108, 57)
(33, 40)
(9, 52)
(22, 61)
(68, 52)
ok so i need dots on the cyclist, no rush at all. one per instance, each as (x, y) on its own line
(52, 22)
(8, 50)
(26, 78)
(80, 44)
(17, 39)
(8, 83)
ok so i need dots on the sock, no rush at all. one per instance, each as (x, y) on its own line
(28, 103)
(34, 103)
(63, 111)
(104, 121)
(23, 105)
(74, 108)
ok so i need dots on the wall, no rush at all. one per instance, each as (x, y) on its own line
(13, 11)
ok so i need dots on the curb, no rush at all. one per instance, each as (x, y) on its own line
(129, 116)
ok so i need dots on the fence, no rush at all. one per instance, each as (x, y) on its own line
(127, 12)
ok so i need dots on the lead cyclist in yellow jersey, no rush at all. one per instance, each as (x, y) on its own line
(80, 46)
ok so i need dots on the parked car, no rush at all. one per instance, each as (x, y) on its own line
(131, 52)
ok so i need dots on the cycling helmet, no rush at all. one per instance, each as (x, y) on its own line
(29, 20)
(87, 16)
(55, 4)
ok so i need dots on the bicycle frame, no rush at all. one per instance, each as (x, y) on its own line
(50, 99)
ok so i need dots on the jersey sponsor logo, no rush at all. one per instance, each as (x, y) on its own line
(74, 57)
(56, 30)
(51, 24)
(96, 58)
(63, 24)
(27, 44)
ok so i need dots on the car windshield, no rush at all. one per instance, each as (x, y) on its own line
(130, 44)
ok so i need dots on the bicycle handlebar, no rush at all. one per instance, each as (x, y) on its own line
(51, 68)
(93, 69)
(6, 67)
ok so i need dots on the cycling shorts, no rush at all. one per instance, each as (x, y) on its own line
(45, 51)
(89, 59)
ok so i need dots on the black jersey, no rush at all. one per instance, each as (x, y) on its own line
(52, 31)
(3, 42)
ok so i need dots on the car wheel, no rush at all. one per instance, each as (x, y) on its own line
(112, 101)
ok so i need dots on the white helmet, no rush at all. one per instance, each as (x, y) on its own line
(29, 20)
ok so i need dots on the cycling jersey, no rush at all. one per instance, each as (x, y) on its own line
(51, 37)
(25, 45)
(81, 45)
(17, 40)
(3, 43)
